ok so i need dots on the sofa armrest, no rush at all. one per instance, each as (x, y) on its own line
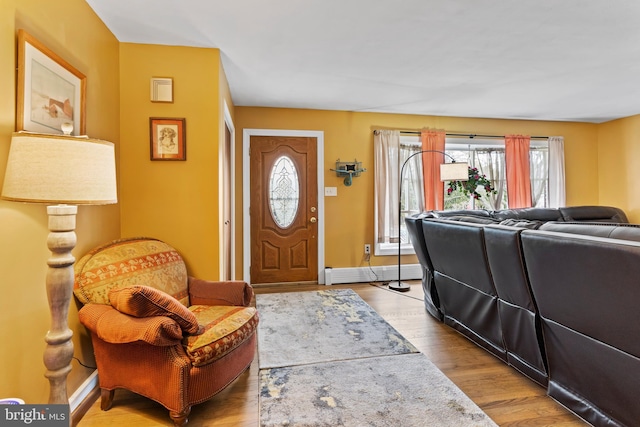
(115, 327)
(233, 292)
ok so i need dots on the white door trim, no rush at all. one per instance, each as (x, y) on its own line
(229, 123)
(246, 193)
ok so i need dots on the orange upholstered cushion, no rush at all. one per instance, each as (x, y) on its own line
(118, 328)
(145, 301)
(225, 328)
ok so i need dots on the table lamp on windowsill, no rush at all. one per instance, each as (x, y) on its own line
(448, 172)
(62, 171)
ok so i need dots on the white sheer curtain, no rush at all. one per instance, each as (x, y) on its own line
(539, 161)
(412, 191)
(387, 169)
(491, 163)
(557, 195)
(412, 186)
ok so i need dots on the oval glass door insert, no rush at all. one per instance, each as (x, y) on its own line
(284, 192)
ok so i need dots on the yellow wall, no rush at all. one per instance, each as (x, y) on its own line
(619, 163)
(77, 35)
(175, 201)
(348, 135)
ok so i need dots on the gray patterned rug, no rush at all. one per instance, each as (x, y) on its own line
(319, 368)
(298, 328)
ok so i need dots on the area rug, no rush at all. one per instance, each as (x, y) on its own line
(298, 328)
(328, 359)
(395, 391)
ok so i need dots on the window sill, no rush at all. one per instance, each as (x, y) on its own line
(391, 249)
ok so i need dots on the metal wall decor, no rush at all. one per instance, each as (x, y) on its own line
(348, 170)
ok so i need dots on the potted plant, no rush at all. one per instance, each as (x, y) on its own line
(470, 187)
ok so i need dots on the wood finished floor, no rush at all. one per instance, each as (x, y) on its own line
(508, 397)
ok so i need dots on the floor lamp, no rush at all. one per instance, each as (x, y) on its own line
(62, 171)
(448, 172)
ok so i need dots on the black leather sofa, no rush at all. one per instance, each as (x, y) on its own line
(550, 292)
(528, 217)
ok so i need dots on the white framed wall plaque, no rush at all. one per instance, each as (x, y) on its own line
(161, 89)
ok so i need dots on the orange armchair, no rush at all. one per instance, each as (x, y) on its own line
(158, 332)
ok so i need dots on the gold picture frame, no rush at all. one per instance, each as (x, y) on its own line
(168, 138)
(50, 90)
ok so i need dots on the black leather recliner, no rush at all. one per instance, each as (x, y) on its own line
(587, 293)
(468, 297)
(521, 326)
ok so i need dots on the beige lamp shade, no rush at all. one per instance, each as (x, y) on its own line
(60, 169)
(454, 172)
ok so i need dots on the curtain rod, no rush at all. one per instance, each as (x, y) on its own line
(465, 135)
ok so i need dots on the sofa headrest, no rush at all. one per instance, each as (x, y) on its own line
(462, 212)
(420, 215)
(596, 229)
(536, 214)
(522, 223)
(593, 214)
(626, 232)
(584, 228)
(472, 219)
(605, 214)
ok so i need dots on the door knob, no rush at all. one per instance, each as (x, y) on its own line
(313, 219)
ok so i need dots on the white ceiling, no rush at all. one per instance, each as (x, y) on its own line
(569, 60)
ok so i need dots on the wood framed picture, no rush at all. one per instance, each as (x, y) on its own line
(50, 91)
(168, 138)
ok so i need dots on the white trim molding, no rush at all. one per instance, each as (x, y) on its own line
(83, 391)
(228, 122)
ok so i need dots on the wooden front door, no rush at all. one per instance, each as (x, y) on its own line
(284, 209)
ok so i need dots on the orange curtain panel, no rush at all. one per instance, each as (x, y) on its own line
(431, 161)
(518, 170)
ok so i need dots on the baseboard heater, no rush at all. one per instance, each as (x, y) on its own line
(385, 273)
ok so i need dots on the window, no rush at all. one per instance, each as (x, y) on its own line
(284, 192)
(488, 156)
(485, 154)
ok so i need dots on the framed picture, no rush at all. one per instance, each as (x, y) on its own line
(50, 91)
(168, 139)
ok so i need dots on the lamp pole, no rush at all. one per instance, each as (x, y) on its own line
(59, 284)
(71, 171)
(399, 285)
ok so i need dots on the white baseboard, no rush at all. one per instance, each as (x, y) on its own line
(384, 273)
(83, 391)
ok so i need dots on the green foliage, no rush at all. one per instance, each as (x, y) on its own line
(470, 187)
